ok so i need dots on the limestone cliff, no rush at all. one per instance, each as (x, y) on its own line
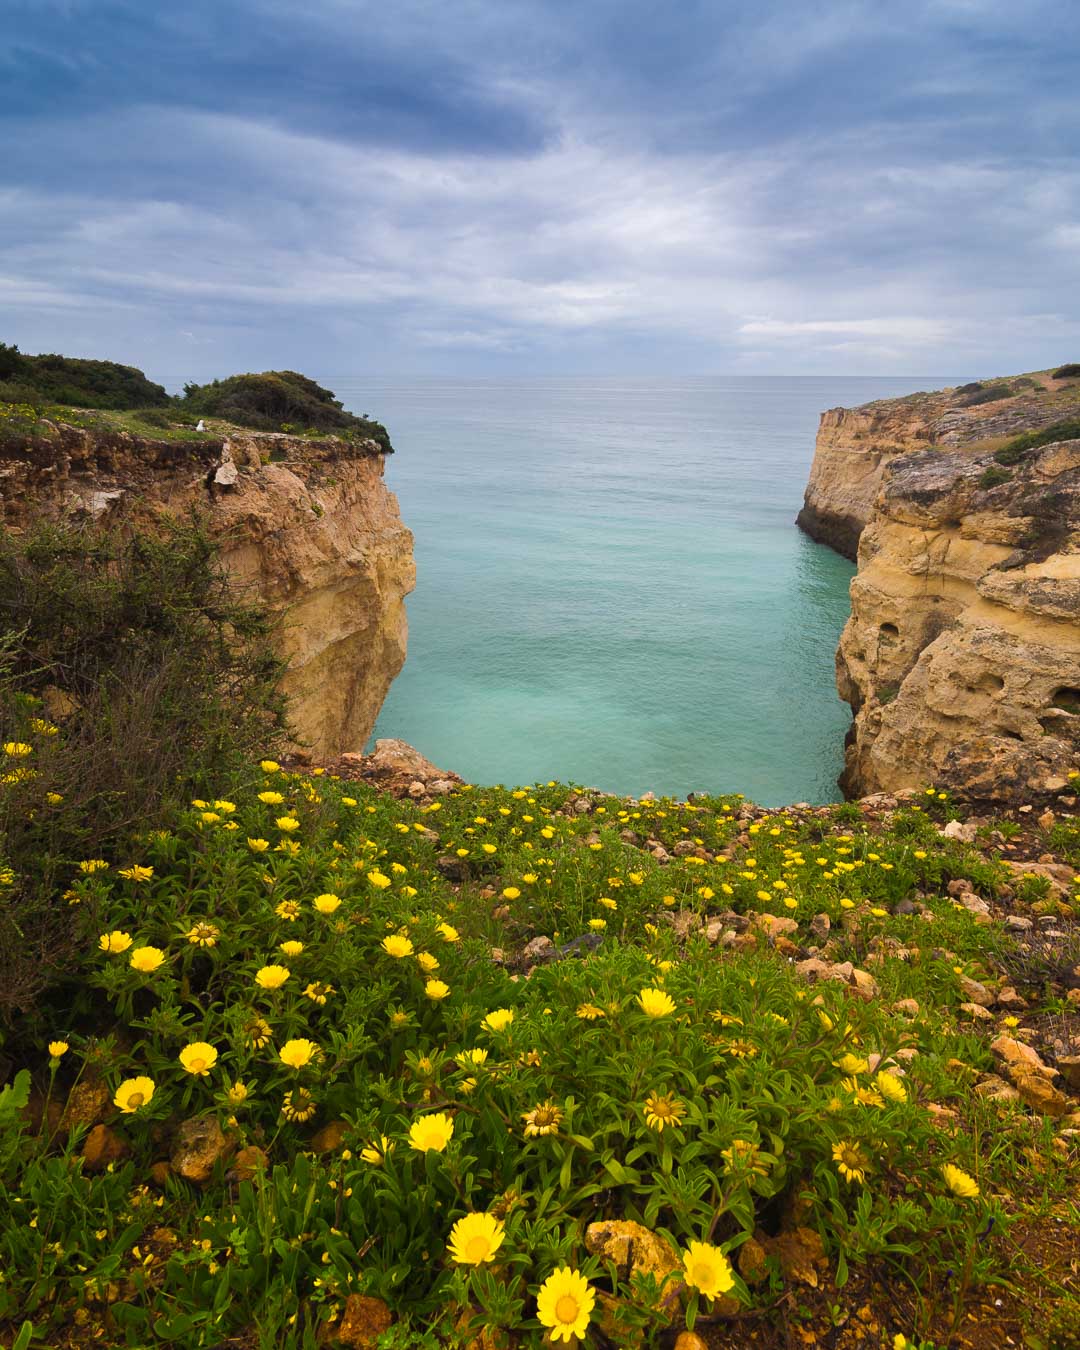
(856, 445)
(961, 659)
(306, 525)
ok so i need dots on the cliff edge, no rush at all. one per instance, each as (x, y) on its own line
(306, 525)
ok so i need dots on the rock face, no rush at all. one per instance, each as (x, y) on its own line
(961, 659)
(306, 526)
(856, 445)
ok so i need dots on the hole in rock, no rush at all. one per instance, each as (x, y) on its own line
(1067, 699)
(889, 630)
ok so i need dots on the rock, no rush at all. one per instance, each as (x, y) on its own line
(1059, 875)
(1009, 998)
(752, 1261)
(802, 1256)
(977, 1011)
(540, 950)
(690, 1340)
(101, 1147)
(820, 927)
(395, 766)
(226, 475)
(975, 992)
(1046, 820)
(959, 830)
(330, 1138)
(1015, 1053)
(160, 1172)
(1038, 1092)
(905, 907)
(814, 969)
(996, 1089)
(975, 904)
(88, 1102)
(363, 1322)
(908, 1006)
(633, 1248)
(453, 869)
(198, 1146)
(1016, 923)
(247, 1162)
(713, 929)
(1069, 1068)
(957, 887)
(865, 984)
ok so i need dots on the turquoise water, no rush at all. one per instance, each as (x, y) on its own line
(610, 587)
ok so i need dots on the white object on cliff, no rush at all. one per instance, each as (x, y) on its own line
(201, 426)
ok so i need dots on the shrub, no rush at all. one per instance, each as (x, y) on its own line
(1013, 453)
(158, 676)
(993, 476)
(277, 399)
(1069, 372)
(992, 395)
(52, 378)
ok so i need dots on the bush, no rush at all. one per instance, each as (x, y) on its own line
(157, 676)
(65, 379)
(1013, 453)
(277, 399)
(994, 394)
(1069, 372)
(993, 477)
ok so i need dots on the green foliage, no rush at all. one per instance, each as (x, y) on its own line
(1014, 452)
(1067, 372)
(158, 678)
(993, 476)
(991, 394)
(65, 379)
(275, 400)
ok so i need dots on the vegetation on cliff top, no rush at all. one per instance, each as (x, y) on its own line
(313, 1059)
(104, 395)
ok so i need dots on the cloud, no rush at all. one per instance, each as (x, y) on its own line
(836, 187)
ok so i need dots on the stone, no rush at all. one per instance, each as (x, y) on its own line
(1069, 1068)
(1017, 923)
(959, 830)
(974, 992)
(908, 1006)
(975, 904)
(198, 1146)
(690, 1340)
(330, 1138)
(977, 1011)
(363, 1322)
(1038, 1092)
(752, 1261)
(634, 1249)
(226, 475)
(1015, 1054)
(864, 984)
(247, 1162)
(713, 929)
(540, 950)
(1010, 999)
(996, 1089)
(820, 927)
(101, 1147)
(802, 1256)
(88, 1102)
(160, 1172)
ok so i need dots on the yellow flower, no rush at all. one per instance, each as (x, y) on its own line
(133, 1093)
(297, 1054)
(891, 1087)
(44, 728)
(707, 1269)
(663, 1110)
(529, 878)
(257, 1032)
(498, 1020)
(299, 1105)
(376, 1152)
(379, 880)
(471, 1059)
(743, 1155)
(475, 1239)
(656, 1003)
(431, 1132)
(448, 932)
(198, 1058)
(269, 765)
(54, 798)
(436, 989)
(289, 910)
(326, 904)
(114, 942)
(850, 1160)
(397, 945)
(589, 1012)
(271, 977)
(564, 1304)
(271, 798)
(543, 1119)
(607, 902)
(852, 1064)
(17, 749)
(58, 1048)
(427, 962)
(318, 991)
(290, 948)
(203, 934)
(959, 1182)
(510, 893)
(146, 959)
(258, 845)
(286, 824)
(237, 1093)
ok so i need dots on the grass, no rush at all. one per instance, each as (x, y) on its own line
(713, 1109)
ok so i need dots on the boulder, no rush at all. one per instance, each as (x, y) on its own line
(198, 1146)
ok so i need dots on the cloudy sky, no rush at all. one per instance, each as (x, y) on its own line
(542, 186)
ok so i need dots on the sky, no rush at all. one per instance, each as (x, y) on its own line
(540, 187)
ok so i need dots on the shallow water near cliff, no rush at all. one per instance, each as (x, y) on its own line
(610, 586)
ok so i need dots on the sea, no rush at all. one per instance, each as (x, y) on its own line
(611, 589)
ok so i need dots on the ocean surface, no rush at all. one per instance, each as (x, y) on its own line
(610, 586)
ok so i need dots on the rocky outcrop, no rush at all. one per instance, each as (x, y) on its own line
(306, 525)
(961, 659)
(855, 446)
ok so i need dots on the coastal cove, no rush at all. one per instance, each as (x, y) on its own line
(610, 585)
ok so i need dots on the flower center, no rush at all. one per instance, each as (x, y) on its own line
(136, 1099)
(477, 1249)
(701, 1274)
(198, 1065)
(566, 1310)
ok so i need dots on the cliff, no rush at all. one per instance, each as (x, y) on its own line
(855, 446)
(961, 659)
(306, 525)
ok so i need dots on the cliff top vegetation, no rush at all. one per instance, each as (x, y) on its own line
(108, 396)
